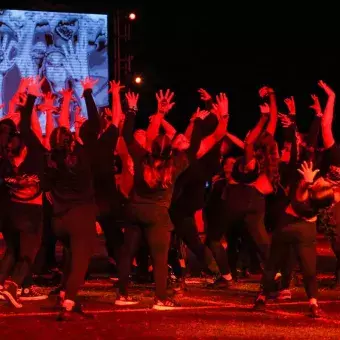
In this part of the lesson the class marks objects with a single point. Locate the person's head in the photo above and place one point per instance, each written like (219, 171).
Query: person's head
(62, 140)
(54, 67)
(180, 143)
(140, 137)
(15, 145)
(158, 167)
(228, 164)
(267, 155)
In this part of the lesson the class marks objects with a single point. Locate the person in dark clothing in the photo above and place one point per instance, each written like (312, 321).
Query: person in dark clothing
(24, 180)
(70, 182)
(254, 176)
(297, 227)
(156, 169)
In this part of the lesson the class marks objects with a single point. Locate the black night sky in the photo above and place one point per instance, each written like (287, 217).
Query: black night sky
(236, 48)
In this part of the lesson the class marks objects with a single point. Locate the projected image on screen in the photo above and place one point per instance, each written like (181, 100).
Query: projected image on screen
(65, 48)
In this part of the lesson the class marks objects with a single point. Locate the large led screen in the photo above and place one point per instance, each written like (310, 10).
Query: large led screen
(65, 48)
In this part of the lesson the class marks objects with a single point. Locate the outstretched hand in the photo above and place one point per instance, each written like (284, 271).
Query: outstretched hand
(88, 83)
(164, 104)
(306, 170)
(316, 105)
(132, 99)
(200, 114)
(264, 108)
(221, 107)
(34, 87)
(205, 96)
(115, 86)
(290, 102)
(285, 120)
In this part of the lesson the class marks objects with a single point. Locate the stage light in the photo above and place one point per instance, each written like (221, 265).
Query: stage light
(132, 16)
(138, 80)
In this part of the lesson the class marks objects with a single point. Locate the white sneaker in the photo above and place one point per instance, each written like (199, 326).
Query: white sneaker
(284, 294)
(31, 294)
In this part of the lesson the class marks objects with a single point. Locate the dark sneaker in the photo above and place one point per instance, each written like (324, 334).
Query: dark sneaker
(260, 303)
(220, 283)
(125, 301)
(32, 294)
(315, 311)
(284, 294)
(10, 293)
(75, 314)
(165, 304)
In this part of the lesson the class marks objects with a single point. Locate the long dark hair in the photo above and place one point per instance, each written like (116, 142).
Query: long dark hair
(158, 166)
(267, 154)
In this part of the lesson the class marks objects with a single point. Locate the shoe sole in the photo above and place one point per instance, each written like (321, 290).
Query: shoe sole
(126, 303)
(9, 297)
(156, 307)
(283, 298)
(33, 298)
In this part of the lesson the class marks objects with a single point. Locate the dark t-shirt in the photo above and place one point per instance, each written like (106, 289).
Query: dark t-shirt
(24, 182)
(189, 192)
(70, 179)
(142, 192)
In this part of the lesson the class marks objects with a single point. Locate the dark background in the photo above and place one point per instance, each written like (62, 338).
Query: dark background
(231, 47)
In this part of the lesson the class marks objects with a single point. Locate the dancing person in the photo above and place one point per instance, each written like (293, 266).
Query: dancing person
(155, 174)
(24, 179)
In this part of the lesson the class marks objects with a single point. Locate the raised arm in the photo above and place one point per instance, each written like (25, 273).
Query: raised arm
(221, 109)
(253, 136)
(163, 107)
(327, 119)
(269, 92)
(64, 117)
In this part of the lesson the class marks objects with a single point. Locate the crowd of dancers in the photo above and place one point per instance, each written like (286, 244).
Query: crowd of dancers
(147, 188)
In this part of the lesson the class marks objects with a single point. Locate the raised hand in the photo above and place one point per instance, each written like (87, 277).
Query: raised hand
(290, 102)
(200, 114)
(34, 87)
(79, 119)
(115, 86)
(66, 93)
(264, 108)
(265, 91)
(316, 105)
(326, 88)
(221, 106)
(164, 101)
(5, 50)
(132, 99)
(48, 105)
(307, 172)
(285, 120)
(88, 83)
(205, 96)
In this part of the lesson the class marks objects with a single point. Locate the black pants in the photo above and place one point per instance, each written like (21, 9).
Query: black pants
(46, 258)
(114, 238)
(243, 208)
(22, 234)
(300, 236)
(185, 229)
(154, 221)
(76, 229)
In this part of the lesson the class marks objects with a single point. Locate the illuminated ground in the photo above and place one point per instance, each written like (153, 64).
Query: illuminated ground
(204, 314)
